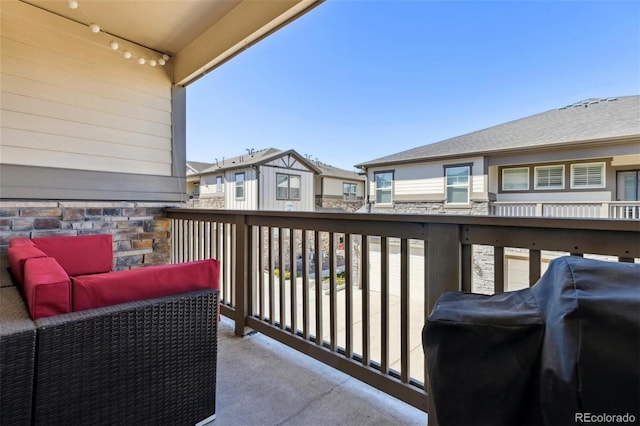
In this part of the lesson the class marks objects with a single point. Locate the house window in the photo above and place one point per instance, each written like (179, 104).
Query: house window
(218, 183)
(549, 177)
(587, 175)
(239, 186)
(349, 191)
(629, 185)
(515, 179)
(457, 180)
(287, 187)
(196, 189)
(384, 183)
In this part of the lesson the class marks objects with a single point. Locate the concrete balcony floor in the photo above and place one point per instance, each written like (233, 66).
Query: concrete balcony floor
(263, 382)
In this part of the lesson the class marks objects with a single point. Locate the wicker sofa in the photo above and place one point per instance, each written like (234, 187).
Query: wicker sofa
(149, 361)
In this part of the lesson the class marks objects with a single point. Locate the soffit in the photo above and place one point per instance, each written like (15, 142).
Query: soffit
(198, 34)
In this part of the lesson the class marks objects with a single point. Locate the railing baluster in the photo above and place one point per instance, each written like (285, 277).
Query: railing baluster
(271, 279)
(404, 311)
(384, 305)
(366, 354)
(333, 296)
(498, 269)
(348, 277)
(466, 264)
(261, 271)
(535, 260)
(305, 285)
(293, 280)
(224, 255)
(318, 287)
(281, 268)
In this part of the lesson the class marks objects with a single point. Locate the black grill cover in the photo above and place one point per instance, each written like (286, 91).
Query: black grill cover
(568, 346)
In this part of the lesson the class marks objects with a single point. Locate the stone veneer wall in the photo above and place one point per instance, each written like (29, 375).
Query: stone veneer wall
(339, 204)
(140, 230)
(209, 203)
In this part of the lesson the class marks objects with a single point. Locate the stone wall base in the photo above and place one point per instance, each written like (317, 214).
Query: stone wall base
(140, 230)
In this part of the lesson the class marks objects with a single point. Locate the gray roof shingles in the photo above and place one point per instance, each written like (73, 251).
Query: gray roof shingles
(594, 119)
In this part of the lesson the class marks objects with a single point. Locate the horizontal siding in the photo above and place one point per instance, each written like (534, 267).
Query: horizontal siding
(69, 101)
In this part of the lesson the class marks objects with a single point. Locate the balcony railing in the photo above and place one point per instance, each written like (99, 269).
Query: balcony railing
(353, 290)
(602, 210)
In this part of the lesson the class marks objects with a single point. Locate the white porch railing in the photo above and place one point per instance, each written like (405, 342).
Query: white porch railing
(601, 210)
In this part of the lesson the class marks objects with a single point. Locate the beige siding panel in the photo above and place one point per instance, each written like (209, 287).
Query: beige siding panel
(52, 126)
(69, 101)
(27, 156)
(333, 186)
(43, 38)
(27, 105)
(89, 83)
(11, 84)
(72, 145)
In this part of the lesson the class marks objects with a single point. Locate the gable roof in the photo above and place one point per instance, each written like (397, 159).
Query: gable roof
(196, 167)
(327, 170)
(254, 158)
(591, 120)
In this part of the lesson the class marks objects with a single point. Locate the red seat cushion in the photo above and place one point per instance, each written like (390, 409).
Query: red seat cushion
(80, 255)
(47, 289)
(95, 291)
(18, 255)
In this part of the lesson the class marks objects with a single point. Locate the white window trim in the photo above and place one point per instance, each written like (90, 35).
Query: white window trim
(219, 186)
(547, 188)
(515, 168)
(243, 186)
(352, 193)
(469, 186)
(289, 176)
(604, 175)
(375, 187)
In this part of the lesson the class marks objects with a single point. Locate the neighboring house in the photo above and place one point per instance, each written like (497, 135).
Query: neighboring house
(268, 179)
(581, 160)
(93, 129)
(272, 179)
(338, 189)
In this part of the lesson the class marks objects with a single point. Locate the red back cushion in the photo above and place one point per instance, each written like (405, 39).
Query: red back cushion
(95, 291)
(20, 242)
(47, 289)
(80, 255)
(18, 255)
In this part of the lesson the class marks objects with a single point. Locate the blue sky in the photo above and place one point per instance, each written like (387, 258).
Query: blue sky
(352, 81)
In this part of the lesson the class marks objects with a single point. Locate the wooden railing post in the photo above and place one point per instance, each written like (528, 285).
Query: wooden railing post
(242, 277)
(443, 273)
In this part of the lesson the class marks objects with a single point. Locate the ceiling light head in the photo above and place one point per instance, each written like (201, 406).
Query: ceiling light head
(114, 45)
(95, 28)
(141, 61)
(152, 62)
(161, 61)
(165, 57)
(126, 54)
(73, 4)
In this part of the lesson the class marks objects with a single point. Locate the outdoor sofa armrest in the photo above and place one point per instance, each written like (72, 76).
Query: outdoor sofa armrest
(145, 362)
(17, 351)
